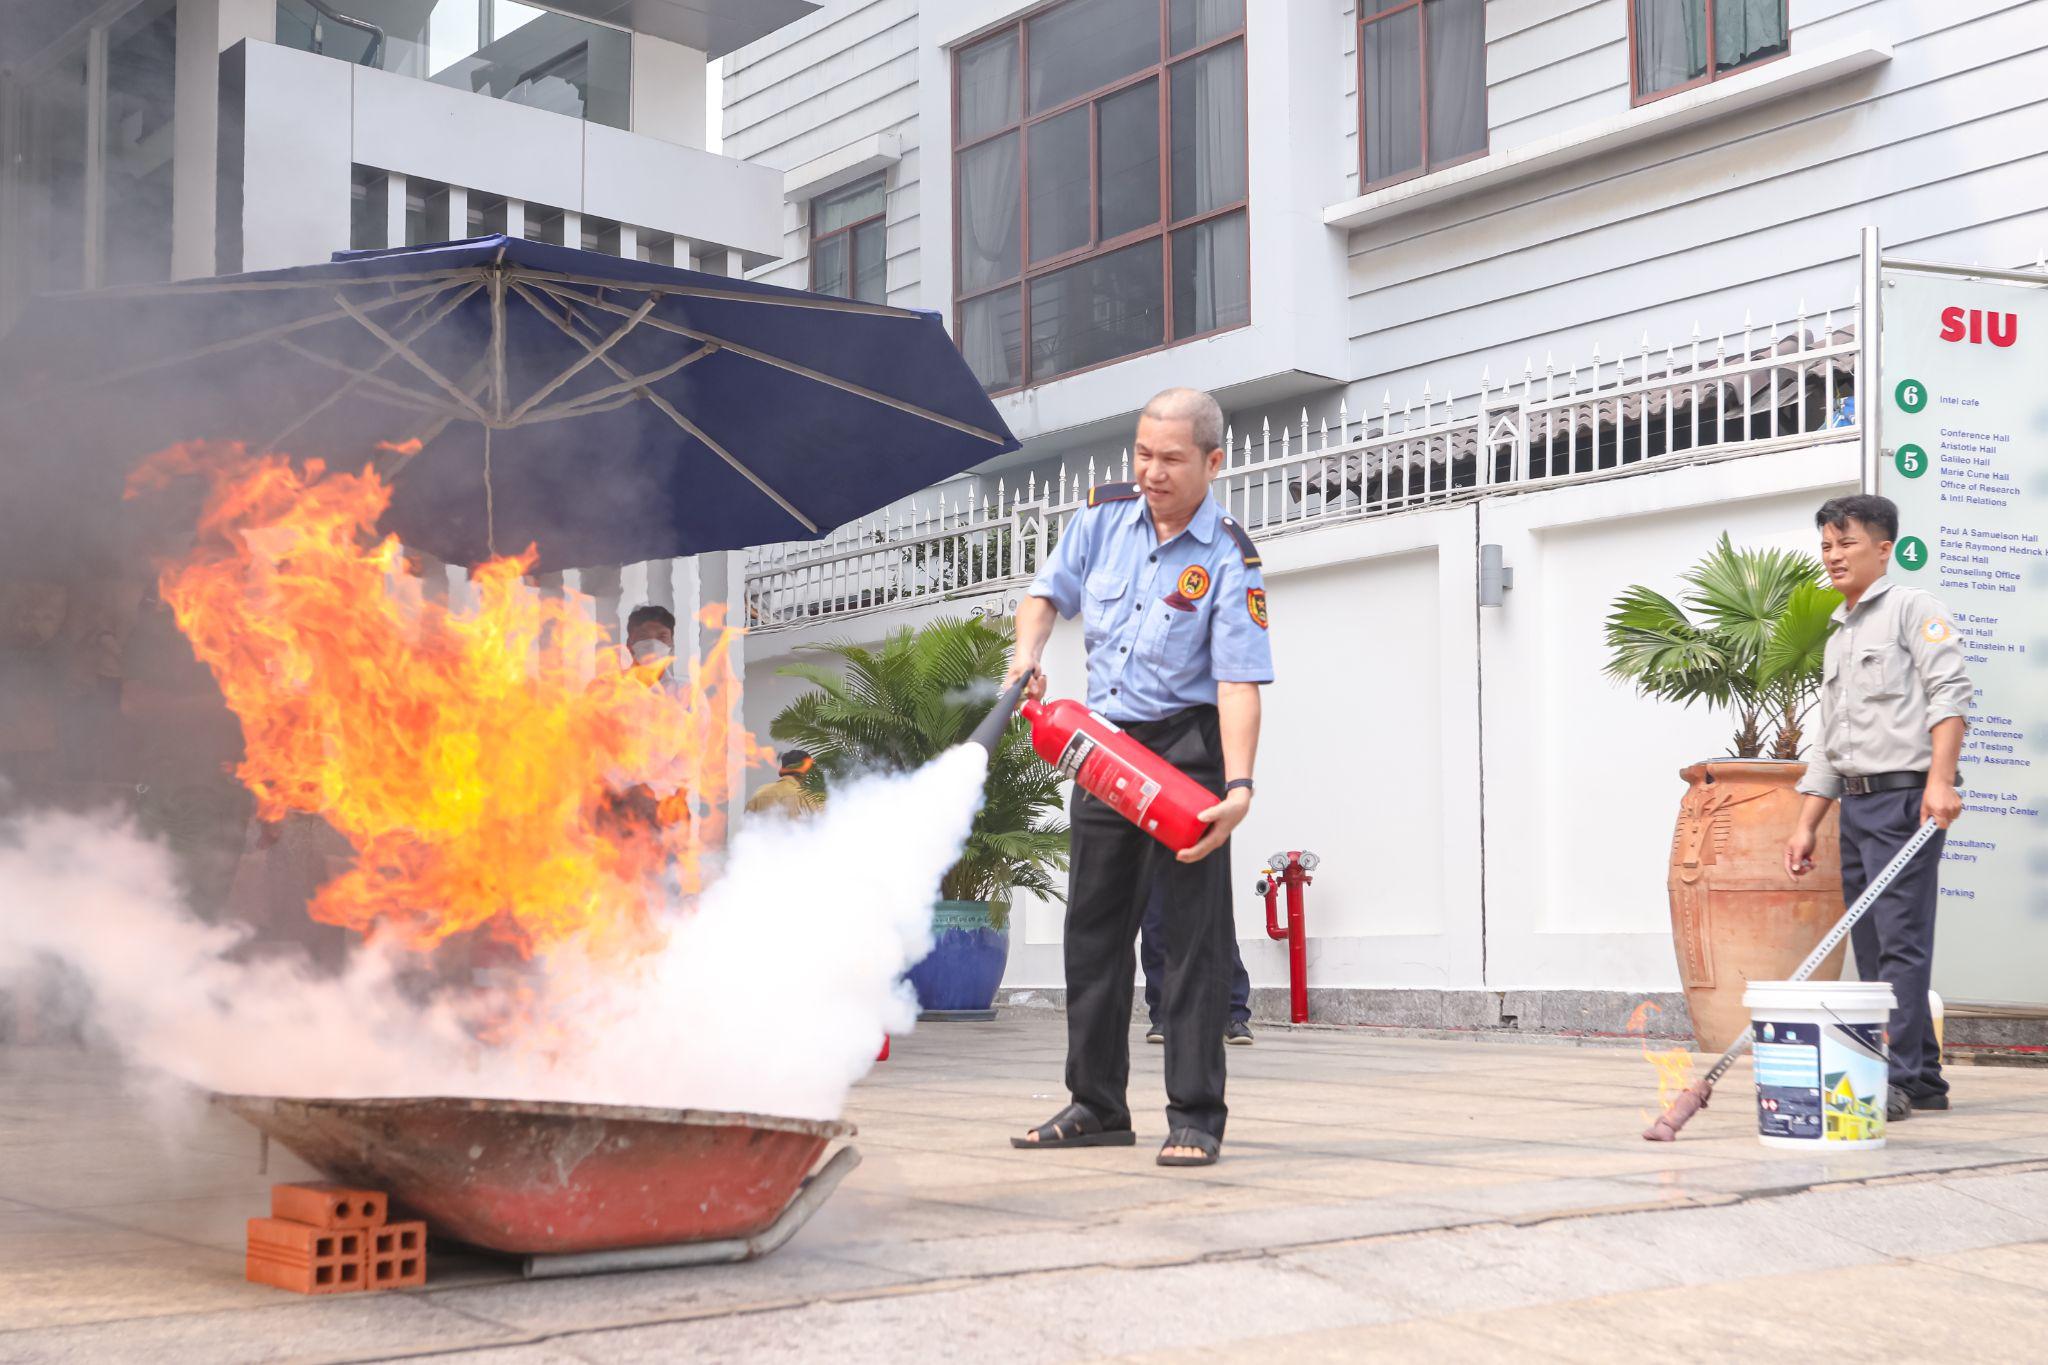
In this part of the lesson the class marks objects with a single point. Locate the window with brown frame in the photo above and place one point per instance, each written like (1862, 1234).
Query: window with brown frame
(1099, 172)
(1422, 87)
(849, 242)
(1675, 45)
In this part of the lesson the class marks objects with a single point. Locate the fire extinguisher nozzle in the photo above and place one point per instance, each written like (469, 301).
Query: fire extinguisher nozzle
(989, 733)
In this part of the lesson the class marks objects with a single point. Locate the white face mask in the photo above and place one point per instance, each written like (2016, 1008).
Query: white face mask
(647, 651)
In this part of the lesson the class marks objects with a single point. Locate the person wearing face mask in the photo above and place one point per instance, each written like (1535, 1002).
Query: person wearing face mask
(1894, 702)
(651, 638)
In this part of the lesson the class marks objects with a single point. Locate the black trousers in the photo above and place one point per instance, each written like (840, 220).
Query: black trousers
(1895, 942)
(1152, 961)
(1115, 867)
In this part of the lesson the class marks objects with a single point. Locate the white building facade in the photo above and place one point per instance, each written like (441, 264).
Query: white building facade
(148, 140)
(1579, 281)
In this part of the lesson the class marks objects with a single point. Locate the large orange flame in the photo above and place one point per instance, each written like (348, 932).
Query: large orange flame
(485, 781)
(1674, 1065)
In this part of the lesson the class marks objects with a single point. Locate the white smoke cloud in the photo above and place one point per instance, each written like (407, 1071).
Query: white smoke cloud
(771, 994)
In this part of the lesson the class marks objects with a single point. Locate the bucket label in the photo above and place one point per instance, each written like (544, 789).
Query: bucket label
(1788, 1095)
(1820, 1082)
(1854, 1074)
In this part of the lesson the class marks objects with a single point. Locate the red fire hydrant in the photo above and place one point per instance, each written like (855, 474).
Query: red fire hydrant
(1291, 870)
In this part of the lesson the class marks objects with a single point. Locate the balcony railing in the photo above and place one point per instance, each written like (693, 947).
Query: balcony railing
(1774, 388)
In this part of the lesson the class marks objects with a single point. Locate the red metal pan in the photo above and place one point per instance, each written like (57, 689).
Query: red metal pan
(572, 1187)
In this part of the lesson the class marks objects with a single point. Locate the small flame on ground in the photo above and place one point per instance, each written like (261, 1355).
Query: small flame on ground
(483, 782)
(1674, 1065)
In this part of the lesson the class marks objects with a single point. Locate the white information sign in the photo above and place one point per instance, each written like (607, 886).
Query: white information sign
(1963, 390)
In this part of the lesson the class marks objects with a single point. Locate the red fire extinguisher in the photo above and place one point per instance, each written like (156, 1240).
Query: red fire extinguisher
(1104, 761)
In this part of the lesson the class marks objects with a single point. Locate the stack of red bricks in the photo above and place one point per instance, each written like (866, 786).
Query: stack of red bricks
(329, 1239)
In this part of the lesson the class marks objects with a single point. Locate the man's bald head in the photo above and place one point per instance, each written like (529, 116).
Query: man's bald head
(1201, 412)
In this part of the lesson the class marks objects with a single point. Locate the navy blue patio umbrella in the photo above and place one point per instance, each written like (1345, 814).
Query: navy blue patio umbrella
(605, 410)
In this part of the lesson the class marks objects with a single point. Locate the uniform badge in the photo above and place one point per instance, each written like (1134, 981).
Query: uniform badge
(1194, 583)
(1255, 603)
(1935, 631)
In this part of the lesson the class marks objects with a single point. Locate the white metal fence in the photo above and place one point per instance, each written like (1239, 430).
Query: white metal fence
(1787, 385)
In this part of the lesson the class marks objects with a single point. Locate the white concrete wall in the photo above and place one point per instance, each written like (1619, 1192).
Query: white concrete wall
(308, 119)
(1525, 855)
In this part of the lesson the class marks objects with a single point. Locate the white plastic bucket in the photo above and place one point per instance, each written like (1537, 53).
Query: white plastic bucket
(1821, 1075)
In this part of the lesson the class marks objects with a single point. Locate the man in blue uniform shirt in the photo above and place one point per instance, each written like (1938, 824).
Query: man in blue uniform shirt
(1174, 614)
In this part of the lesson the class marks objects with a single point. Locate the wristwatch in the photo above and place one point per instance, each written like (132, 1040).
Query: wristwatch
(1234, 783)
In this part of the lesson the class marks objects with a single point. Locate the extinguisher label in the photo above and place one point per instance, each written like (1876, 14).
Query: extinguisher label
(1108, 778)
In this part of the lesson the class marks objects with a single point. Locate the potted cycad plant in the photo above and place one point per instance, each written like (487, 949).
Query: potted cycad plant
(1747, 637)
(896, 707)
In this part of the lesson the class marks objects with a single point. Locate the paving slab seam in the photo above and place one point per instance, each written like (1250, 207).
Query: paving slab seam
(1465, 1222)
(1275, 1252)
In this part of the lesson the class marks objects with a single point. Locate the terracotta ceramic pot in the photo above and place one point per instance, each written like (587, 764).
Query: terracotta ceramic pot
(1735, 916)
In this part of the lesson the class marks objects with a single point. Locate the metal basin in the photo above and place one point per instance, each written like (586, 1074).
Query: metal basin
(542, 1179)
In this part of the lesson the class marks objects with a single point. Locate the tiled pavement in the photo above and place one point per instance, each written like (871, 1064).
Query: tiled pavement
(1379, 1198)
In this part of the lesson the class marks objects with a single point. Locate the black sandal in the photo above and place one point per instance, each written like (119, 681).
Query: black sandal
(1075, 1126)
(1190, 1137)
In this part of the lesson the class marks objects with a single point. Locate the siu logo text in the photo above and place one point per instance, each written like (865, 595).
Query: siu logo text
(1977, 326)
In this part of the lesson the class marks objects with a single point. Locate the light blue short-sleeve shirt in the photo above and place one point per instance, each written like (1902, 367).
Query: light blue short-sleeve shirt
(1164, 623)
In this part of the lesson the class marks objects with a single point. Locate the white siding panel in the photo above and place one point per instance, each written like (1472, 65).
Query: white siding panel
(818, 85)
(1945, 146)
(1519, 98)
(1534, 49)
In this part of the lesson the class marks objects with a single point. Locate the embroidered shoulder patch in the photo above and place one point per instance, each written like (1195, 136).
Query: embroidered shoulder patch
(1194, 583)
(1935, 630)
(1111, 492)
(1255, 603)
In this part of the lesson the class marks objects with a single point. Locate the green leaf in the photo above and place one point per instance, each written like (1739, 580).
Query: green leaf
(899, 705)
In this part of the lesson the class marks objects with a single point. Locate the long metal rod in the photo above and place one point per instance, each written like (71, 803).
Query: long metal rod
(1869, 341)
(1969, 272)
(1834, 936)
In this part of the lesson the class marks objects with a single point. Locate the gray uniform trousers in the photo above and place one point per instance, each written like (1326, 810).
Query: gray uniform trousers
(1895, 941)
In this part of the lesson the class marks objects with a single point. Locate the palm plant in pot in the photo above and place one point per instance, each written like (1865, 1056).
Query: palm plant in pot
(899, 705)
(1748, 637)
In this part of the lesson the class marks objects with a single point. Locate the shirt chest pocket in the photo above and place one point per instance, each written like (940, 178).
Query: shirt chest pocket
(1104, 609)
(1880, 672)
(1168, 632)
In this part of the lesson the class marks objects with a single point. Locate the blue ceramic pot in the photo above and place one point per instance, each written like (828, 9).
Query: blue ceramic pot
(965, 965)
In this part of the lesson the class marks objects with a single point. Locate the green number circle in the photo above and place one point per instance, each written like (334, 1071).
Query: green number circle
(1911, 460)
(1912, 395)
(1911, 552)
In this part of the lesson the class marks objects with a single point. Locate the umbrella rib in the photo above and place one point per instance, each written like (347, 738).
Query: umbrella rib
(590, 401)
(668, 411)
(799, 301)
(283, 329)
(391, 388)
(590, 353)
(331, 399)
(818, 376)
(412, 358)
(441, 279)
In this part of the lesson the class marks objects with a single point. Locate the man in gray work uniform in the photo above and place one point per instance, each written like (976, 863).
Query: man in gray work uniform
(1892, 706)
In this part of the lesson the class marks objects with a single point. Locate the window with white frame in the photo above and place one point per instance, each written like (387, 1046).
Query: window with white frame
(1100, 185)
(1422, 87)
(1675, 45)
(849, 241)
